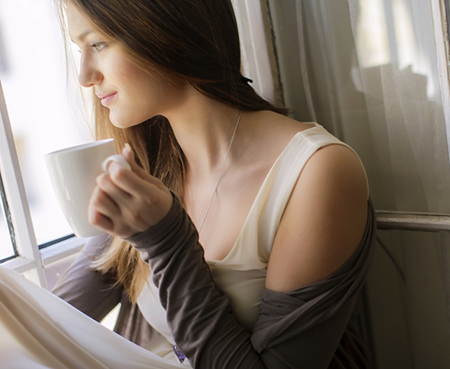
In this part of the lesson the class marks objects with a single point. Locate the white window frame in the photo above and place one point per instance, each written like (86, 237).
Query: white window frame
(12, 179)
(29, 258)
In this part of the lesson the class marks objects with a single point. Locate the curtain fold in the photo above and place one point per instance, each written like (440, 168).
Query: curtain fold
(367, 70)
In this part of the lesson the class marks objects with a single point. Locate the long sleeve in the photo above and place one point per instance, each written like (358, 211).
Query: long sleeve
(84, 288)
(298, 329)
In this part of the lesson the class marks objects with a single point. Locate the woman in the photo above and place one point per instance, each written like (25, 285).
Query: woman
(256, 255)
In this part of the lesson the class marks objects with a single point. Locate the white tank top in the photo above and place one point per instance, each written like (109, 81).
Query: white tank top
(241, 274)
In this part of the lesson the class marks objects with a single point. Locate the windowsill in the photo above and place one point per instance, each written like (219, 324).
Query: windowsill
(61, 251)
(19, 264)
(50, 255)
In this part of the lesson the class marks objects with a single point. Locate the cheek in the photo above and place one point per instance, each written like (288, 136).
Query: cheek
(142, 96)
(136, 105)
(141, 87)
(148, 96)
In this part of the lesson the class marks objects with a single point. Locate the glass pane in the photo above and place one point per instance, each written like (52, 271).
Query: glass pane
(40, 103)
(6, 247)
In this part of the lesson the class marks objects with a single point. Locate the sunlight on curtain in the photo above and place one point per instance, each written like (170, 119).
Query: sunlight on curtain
(373, 81)
(404, 111)
(404, 34)
(372, 38)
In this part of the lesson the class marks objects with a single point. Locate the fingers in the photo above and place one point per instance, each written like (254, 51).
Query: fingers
(107, 182)
(113, 213)
(101, 210)
(100, 220)
(128, 153)
(135, 182)
(126, 202)
(122, 184)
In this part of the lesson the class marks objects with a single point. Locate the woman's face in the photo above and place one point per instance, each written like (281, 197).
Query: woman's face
(131, 95)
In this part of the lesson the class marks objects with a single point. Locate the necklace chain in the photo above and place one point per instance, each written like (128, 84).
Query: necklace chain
(221, 172)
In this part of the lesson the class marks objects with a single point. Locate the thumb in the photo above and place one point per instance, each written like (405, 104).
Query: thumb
(128, 153)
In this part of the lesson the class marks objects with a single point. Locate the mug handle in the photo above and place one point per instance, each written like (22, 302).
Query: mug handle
(118, 159)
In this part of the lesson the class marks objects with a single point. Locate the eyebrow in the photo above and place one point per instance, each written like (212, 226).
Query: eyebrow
(85, 34)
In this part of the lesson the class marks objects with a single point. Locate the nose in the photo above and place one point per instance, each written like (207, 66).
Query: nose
(89, 73)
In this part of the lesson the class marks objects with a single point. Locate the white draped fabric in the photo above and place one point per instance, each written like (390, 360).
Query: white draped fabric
(34, 334)
(368, 71)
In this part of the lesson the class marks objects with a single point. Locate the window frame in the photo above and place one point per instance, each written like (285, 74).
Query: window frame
(28, 253)
(29, 256)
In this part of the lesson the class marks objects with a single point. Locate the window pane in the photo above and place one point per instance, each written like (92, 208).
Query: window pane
(6, 247)
(33, 74)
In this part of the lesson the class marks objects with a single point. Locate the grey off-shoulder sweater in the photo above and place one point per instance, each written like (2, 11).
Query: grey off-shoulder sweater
(310, 327)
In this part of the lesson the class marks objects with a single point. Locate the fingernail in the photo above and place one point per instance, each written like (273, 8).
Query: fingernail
(128, 147)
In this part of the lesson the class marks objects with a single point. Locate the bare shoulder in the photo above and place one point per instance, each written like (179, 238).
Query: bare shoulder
(270, 132)
(324, 220)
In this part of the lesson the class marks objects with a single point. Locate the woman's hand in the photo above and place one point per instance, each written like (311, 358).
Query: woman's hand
(126, 202)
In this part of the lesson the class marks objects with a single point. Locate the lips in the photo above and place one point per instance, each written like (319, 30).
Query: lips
(106, 99)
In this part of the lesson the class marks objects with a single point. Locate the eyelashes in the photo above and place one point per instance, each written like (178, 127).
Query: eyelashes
(97, 46)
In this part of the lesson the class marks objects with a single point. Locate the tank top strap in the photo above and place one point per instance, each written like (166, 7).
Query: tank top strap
(254, 244)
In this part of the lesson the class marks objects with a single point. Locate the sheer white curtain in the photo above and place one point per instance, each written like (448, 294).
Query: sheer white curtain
(367, 70)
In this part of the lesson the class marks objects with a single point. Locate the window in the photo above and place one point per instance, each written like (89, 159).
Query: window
(42, 115)
(37, 97)
(8, 250)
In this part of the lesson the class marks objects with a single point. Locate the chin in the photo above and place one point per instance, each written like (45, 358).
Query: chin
(121, 122)
(127, 120)
(118, 124)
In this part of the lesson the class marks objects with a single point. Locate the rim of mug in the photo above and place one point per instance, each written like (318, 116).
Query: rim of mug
(81, 146)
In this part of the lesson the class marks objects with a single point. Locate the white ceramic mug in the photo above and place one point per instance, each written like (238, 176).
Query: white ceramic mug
(73, 172)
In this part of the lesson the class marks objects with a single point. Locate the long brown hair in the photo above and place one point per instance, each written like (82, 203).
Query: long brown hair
(194, 40)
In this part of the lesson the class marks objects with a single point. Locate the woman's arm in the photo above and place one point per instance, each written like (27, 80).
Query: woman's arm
(198, 313)
(323, 222)
(86, 289)
(301, 328)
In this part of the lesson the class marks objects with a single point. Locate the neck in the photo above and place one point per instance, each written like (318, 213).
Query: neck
(204, 128)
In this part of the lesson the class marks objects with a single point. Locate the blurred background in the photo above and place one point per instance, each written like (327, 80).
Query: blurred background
(44, 106)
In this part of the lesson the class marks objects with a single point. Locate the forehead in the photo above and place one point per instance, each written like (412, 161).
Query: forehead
(79, 25)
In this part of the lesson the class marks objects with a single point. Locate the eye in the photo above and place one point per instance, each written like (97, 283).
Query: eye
(98, 46)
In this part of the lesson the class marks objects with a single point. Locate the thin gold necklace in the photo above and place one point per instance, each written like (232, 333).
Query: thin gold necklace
(221, 172)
